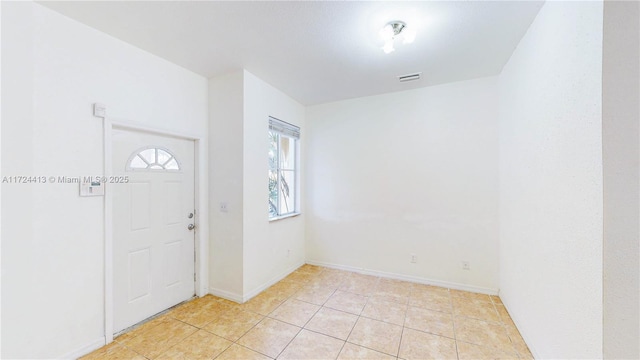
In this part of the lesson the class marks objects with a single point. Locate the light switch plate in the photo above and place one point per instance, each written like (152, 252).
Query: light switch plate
(99, 110)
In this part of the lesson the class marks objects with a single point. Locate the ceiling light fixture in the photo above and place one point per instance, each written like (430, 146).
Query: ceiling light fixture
(395, 29)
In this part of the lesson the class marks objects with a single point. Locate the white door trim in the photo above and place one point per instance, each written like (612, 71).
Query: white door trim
(201, 207)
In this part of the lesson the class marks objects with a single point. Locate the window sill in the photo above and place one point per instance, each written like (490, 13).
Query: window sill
(283, 216)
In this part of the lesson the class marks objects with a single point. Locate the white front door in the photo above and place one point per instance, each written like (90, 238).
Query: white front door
(153, 214)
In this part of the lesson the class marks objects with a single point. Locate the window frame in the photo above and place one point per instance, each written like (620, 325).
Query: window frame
(138, 153)
(294, 170)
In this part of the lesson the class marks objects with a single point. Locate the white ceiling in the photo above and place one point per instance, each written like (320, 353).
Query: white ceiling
(317, 51)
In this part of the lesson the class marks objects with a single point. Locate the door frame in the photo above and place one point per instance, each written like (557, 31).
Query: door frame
(200, 203)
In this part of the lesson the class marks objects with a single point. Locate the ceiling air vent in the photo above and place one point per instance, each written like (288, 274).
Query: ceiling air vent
(410, 77)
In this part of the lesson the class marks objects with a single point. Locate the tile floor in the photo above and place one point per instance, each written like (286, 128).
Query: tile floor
(321, 313)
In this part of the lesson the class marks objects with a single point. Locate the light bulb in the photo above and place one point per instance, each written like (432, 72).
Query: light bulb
(388, 47)
(409, 35)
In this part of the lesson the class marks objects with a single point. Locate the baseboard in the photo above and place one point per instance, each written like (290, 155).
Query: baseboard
(94, 345)
(226, 295)
(251, 294)
(416, 279)
(248, 296)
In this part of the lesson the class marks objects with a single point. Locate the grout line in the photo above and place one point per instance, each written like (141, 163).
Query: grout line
(453, 321)
(255, 351)
(368, 348)
(400, 343)
(356, 323)
(319, 333)
(289, 343)
(341, 285)
(504, 327)
(300, 328)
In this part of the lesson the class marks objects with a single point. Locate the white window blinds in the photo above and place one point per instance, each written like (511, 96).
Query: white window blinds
(284, 128)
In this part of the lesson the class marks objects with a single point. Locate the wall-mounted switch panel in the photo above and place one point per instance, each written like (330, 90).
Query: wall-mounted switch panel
(91, 188)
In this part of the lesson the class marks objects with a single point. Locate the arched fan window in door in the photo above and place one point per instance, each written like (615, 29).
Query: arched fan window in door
(153, 158)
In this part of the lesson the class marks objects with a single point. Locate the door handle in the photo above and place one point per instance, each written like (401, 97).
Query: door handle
(191, 227)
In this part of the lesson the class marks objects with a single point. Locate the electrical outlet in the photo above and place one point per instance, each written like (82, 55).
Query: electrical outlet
(414, 258)
(465, 265)
(224, 207)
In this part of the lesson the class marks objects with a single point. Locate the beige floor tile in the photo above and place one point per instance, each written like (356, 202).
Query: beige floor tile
(470, 295)
(299, 277)
(113, 351)
(269, 337)
(200, 311)
(391, 312)
(423, 346)
(309, 345)
(310, 269)
(364, 277)
(182, 311)
(376, 335)
(393, 290)
(333, 323)
(518, 342)
(336, 272)
(475, 309)
(204, 300)
(295, 312)
(396, 318)
(283, 289)
(505, 318)
(205, 313)
(425, 289)
(360, 284)
(434, 322)
(314, 295)
(143, 328)
(496, 300)
(158, 339)
(468, 351)
(356, 352)
(200, 345)
(188, 309)
(527, 356)
(346, 301)
(233, 324)
(431, 300)
(232, 305)
(329, 278)
(483, 333)
(263, 304)
(237, 352)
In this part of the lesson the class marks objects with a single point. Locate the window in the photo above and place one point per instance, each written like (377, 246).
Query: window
(153, 158)
(283, 157)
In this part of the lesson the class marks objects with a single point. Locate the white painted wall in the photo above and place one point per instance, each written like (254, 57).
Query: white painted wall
(226, 123)
(271, 249)
(1, 173)
(551, 208)
(248, 253)
(620, 114)
(53, 242)
(413, 172)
